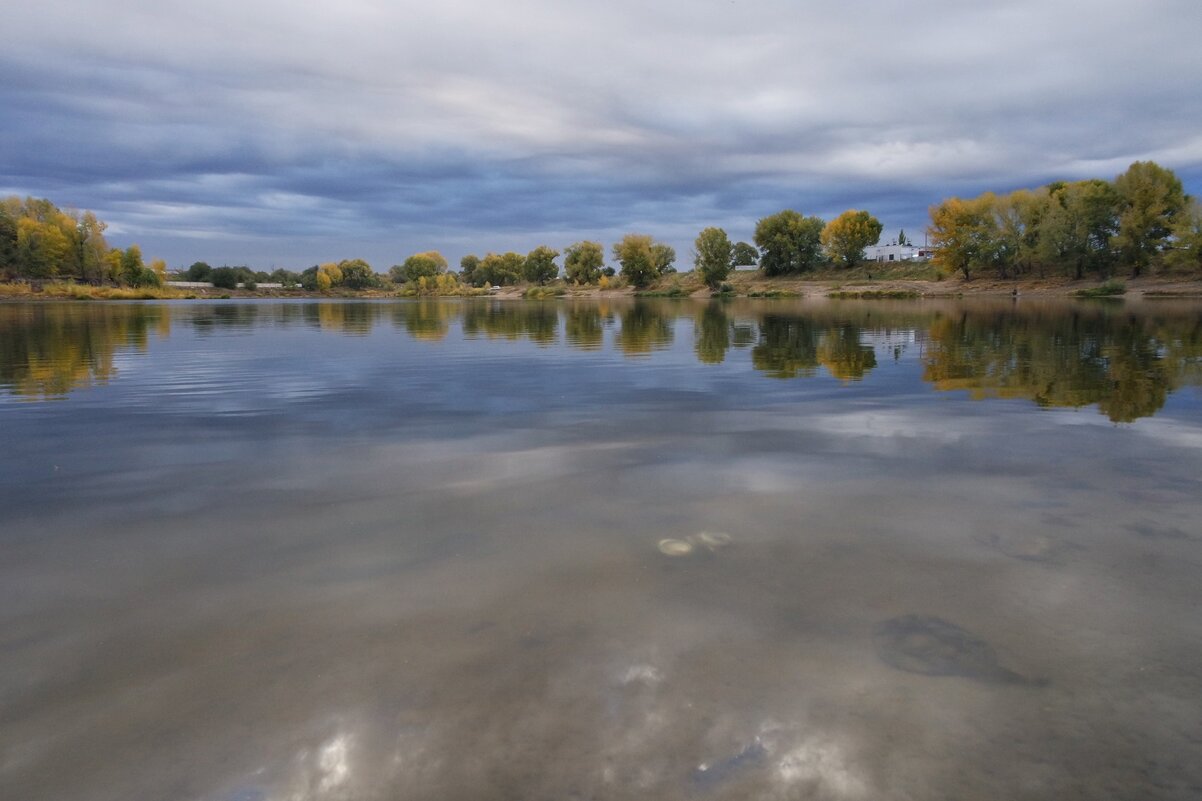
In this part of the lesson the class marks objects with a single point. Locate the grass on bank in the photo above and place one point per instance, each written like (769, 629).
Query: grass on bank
(1109, 289)
(69, 291)
(874, 294)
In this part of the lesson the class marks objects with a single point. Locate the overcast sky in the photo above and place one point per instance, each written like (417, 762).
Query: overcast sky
(283, 134)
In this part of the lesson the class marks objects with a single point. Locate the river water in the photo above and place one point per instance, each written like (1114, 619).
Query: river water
(600, 550)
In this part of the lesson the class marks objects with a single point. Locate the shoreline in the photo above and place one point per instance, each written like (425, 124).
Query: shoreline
(746, 285)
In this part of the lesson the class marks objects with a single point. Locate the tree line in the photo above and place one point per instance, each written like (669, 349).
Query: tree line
(40, 241)
(1141, 220)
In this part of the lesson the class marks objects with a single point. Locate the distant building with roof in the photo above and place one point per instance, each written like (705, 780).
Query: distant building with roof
(896, 252)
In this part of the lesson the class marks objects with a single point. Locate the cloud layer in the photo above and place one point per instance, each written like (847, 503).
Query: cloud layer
(274, 133)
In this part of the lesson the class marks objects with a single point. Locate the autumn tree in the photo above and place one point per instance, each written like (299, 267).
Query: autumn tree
(1151, 198)
(428, 264)
(583, 261)
(845, 237)
(357, 274)
(713, 256)
(789, 242)
(663, 257)
(540, 267)
(637, 258)
(501, 269)
(964, 234)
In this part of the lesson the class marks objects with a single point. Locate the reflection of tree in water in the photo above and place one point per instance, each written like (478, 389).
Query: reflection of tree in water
(713, 331)
(645, 328)
(788, 346)
(353, 319)
(584, 327)
(47, 351)
(428, 320)
(1125, 364)
(538, 322)
(208, 318)
(843, 354)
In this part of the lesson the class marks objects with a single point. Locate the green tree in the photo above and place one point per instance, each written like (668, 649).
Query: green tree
(199, 271)
(357, 274)
(789, 242)
(1151, 198)
(285, 277)
(663, 256)
(428, 265)
(501, 269)
(89, 247)
(131, 265)
(713, 257)
(1186, 253)
(583, 261)
(637, 258)
(8, 243)
(1077, 226)
(901, 237)
(845, 237)
(744, 255)
(540, 266)
(467, 269)
(224, 277)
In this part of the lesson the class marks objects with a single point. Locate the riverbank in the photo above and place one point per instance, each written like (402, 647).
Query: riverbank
(858, 283)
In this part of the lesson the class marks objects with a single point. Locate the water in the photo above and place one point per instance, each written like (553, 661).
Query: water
(415, 550)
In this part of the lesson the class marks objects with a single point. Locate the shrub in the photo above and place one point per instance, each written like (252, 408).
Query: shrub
(224, 278)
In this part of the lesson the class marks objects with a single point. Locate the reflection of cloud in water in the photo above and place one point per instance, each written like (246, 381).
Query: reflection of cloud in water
(1169, 432)
(819, 768)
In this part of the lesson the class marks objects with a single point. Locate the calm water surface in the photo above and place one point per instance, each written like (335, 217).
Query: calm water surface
(490, 550)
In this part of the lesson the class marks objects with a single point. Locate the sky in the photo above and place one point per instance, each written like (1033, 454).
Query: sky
(280, 134)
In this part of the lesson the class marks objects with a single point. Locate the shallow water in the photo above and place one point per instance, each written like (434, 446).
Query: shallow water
(259, 551)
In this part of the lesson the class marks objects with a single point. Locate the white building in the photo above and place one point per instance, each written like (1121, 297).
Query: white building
(896, 252)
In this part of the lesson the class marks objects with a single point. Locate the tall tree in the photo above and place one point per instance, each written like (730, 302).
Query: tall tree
(637, 258)
(1152, 197)
(664, 256)
(712, 260)
(583, 261)
(1187, 238)
(467, 269)
(1076, 229)
(419, 265)
(501, 269)
(540, 265)
(964, 234)
(744, 254)
(845, 237)
(789, 242)
(357, 274)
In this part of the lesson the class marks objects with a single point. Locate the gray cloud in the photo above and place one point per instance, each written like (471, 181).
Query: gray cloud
(270, 132)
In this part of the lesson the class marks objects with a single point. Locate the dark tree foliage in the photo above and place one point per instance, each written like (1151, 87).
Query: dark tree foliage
(789, 242)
